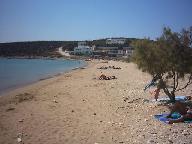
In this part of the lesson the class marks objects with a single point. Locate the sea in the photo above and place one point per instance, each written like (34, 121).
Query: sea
(15, 73)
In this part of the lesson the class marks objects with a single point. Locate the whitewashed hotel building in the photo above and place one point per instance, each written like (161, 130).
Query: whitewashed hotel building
(83, 49)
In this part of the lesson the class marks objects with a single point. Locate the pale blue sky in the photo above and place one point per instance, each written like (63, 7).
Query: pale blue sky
(29, 20)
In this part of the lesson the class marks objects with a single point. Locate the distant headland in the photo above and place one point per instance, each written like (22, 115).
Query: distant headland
(108, 47)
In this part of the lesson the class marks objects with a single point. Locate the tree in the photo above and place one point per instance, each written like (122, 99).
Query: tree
(169, 59)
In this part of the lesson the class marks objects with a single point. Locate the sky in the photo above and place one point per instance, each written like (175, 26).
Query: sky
(32, 20)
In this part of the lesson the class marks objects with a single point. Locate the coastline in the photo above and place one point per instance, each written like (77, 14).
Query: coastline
(43, 58)
(77, 107)
(21, 86)
(8, 96)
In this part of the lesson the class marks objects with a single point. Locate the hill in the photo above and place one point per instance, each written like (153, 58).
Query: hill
(46, 48)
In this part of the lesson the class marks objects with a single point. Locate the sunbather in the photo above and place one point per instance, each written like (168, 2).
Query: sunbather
(112, 77)
(116, 67)
(183, 110)
(103, 67)
(104, 77)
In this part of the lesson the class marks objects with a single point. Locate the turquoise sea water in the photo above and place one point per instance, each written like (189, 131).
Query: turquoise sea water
(19, 72)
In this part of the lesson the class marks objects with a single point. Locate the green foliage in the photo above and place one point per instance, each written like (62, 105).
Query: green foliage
(36, 48)
(170, 57)
(145, 56)
(69, 45)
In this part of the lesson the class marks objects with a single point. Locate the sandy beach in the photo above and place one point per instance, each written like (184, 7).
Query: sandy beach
(78, 108)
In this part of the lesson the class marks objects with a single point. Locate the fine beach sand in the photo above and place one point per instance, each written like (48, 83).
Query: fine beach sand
(77, 108)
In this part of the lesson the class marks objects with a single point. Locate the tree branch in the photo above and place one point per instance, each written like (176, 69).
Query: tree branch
(173, 81)
(164, 86)
(188, 83)
(177, 81)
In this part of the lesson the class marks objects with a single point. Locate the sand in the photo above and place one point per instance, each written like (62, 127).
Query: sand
(77, 108)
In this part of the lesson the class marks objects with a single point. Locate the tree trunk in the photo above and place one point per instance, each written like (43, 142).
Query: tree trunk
(170, 95)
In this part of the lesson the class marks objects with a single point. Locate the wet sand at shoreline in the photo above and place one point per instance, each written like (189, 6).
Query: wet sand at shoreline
(77, 108)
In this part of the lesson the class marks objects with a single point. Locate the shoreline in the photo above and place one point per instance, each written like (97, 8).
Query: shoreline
(42, 57)
(22, 86)
(77, 107)
(6, 97)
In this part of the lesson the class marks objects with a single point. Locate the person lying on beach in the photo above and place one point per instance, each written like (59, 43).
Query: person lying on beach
(104, 77)
(113, 67)
(116, 68)
(183, 110)
(103, 67)
(112, 77)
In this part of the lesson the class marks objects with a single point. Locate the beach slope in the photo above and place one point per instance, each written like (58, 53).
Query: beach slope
(78, 108)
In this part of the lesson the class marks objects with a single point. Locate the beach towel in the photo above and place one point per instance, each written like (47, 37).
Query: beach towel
(163, 117)
(177, 98)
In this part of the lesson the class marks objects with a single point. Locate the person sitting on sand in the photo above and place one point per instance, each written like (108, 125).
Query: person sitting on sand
(113, 77)
(183, 110)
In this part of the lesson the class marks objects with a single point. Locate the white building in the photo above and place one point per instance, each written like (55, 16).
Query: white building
(107, 48)
(115, 53)
(120, 41)
(128, 51)
(83, 49)
(110, 51)
(82, 43)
